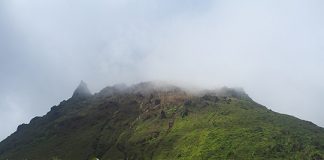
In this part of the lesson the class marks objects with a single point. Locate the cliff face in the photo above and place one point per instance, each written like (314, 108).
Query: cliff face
(160, 121)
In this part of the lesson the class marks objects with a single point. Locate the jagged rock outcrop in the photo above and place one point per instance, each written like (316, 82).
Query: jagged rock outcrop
(81, 91)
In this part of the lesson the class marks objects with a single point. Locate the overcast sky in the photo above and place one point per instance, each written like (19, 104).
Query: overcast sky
(274, 49)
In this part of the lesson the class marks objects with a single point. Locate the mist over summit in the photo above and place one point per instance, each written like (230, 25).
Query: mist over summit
(155, 73)
(273, 49)
(159, 120)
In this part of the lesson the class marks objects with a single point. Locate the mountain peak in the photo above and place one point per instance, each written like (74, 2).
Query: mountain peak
(156, 120)
(82, 91)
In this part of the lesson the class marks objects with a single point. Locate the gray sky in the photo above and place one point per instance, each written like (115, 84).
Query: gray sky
(271, 48)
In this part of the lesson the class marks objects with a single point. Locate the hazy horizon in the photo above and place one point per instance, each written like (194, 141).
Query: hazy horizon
(272, 49)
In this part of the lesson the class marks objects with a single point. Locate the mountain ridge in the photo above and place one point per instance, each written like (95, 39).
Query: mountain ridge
(154, 120)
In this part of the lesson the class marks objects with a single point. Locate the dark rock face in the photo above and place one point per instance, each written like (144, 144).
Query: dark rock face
(210, 98)
(185, 113)
(162, 115)
(187, 102)
(81, 91)
(157, 101)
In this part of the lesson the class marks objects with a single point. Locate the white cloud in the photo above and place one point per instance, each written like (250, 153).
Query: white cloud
(273, 49)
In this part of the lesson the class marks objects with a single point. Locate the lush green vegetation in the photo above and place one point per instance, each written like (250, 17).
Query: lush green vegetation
(159, 125)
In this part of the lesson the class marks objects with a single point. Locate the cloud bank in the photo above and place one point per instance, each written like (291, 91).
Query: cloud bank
(273, 49)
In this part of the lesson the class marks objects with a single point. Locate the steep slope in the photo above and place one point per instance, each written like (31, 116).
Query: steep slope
(160, 121)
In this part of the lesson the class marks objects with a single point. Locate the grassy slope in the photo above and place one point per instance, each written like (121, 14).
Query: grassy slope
(116, 128)
(239, 130)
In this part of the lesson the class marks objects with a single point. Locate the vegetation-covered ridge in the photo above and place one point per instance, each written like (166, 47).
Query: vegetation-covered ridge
(160, 121)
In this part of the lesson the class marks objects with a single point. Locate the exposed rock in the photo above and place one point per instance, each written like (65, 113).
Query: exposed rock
(210, 98)
(162, 115)
(187, 102)
(185, 113)
(171, 124)
(81, 91)
(21, 127)
(157, 101)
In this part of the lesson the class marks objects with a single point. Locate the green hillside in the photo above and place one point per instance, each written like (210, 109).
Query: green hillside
(152, 121)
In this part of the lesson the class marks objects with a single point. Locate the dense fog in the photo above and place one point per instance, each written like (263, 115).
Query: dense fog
(272, 49)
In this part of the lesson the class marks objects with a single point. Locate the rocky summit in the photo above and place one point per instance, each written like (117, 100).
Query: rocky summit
(154, 120)
(81, 91)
